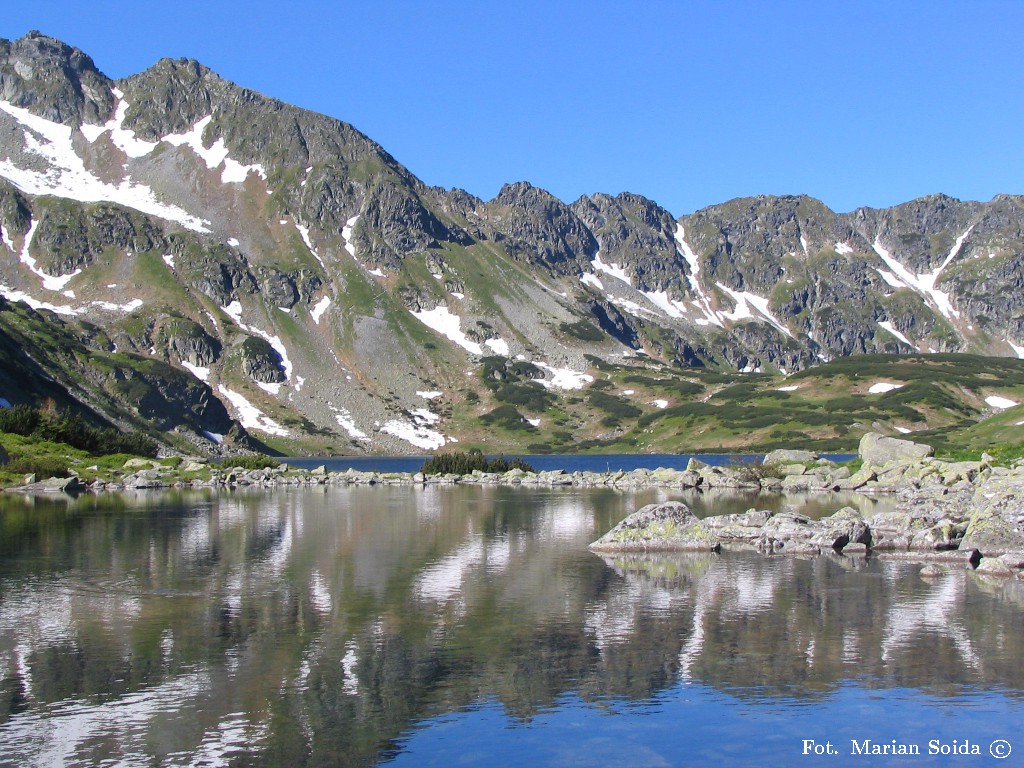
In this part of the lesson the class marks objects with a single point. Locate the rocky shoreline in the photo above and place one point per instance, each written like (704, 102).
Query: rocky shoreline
(970, 513)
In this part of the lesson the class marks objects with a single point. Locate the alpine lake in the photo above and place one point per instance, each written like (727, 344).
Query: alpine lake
(470, 625)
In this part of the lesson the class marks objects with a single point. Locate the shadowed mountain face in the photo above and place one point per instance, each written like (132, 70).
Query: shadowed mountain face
(325, 297)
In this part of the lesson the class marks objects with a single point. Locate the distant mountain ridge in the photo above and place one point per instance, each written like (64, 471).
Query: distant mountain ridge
(305, 289)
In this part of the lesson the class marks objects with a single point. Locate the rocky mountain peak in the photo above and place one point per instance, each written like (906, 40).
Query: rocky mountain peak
(53, 80)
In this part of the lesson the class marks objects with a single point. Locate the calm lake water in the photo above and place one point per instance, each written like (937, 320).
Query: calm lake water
(471, 626)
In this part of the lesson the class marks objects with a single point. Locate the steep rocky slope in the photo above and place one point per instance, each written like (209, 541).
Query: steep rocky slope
(299, 277)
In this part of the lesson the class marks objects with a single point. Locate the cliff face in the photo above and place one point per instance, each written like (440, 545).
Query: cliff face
(298, 276)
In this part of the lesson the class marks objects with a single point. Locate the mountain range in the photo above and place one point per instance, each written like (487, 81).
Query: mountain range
(186, 256)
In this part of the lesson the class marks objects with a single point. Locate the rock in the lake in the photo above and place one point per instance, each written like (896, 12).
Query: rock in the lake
(669, 526)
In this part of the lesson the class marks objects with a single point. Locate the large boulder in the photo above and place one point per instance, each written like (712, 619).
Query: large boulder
(669, 526)
(878, 450)
(788, 456)
(997, 527)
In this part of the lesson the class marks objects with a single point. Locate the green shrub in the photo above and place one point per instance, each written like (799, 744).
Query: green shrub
(259, 461)
(460, 463)
(19, 420)
(40, 466)
(582, 330)
(61, 427)
(508, 417)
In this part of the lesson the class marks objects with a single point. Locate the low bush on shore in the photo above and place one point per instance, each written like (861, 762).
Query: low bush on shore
(257, 461)
(460, 463)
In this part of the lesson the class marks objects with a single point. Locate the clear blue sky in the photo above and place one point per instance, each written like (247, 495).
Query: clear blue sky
(689, 103)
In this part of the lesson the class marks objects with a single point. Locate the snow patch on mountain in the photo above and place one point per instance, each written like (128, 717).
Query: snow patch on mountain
(888, 326)
(610, 269)
(1000, 403)
(121, 137)
(216, 154)
(319, 308)
(418, 432)
(15, 295)
(304, 233)
(592, 280)
(441, 320)
(745, 301)
(498, 346)
(346, 422)
(924, 283)
(234, 311)
(703, 300)
(54, 283)
(7, 240)
(346, 235)
(249, 415)
(201, 373)
(881, 387)
(67, 176)
(563, 378)
(666, 304)
(1018, 350)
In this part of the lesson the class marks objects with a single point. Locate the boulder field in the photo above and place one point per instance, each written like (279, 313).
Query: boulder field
(962, 512)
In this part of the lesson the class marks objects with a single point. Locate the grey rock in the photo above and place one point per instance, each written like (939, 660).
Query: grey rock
(51, 485)
(786, 456)
(744, 527)
(879, 450)
(669, 526)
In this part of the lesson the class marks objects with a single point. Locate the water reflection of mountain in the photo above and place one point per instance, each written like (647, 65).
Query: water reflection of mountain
(305, 627)
(799, 626)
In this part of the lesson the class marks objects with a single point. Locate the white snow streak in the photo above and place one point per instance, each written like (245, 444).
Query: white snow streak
(249, 415)
(744, 301)
(1016, 349)
(50, 282)
(346, 422)
(304, 232)
(418, 433)
(923, 283)
(588, 279)
(843, 249)
(611, 269)
(889, 327)
(234, 310)
(201, 373)
(703, 301)
(346, 235)
(68, 177)
(882, 387)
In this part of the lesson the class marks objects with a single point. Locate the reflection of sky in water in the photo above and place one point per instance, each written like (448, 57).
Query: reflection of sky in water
(692, 724)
